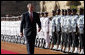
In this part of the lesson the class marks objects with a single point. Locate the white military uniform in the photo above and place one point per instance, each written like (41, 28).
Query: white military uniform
(41, 32)
(69, 27)
(80, 23)
(62, 18)
(50, 28)
(64, 27)
(58, 26)
(74, 22)
(53, 23)
(45, 29)
(58, 22)
(64, 23)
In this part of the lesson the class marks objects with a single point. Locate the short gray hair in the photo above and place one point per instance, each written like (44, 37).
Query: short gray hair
(29, 4)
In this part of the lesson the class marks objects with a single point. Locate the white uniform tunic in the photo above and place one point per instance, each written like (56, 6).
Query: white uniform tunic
(50, 27)
(69, 27)
(74, 22)
(45, 24)
(58, 22)
(80, 23)
(41, 32)
(45, 29)
(41, 20)
(53, 23)
(64, 23)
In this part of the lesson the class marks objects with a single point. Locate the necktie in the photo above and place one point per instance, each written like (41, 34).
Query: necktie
(31, 17)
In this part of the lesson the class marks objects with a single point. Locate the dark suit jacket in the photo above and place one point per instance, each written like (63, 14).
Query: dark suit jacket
(28, 26)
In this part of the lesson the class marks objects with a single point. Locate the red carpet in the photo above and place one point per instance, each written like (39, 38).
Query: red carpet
(7, 52)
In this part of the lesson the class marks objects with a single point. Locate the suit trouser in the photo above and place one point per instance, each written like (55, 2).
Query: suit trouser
(81, 37)
(30, 45)
(75, 39)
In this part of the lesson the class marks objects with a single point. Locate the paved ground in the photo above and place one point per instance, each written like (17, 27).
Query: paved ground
(19, 48)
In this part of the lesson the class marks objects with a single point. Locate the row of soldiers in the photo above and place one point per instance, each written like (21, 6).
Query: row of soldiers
(66, 30)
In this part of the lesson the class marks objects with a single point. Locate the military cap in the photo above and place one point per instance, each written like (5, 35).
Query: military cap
(58, 10)
(46, 12)
(69, 10)
(42, 12)
(74, 10)
(65, 10)
(53, 11)
(81, 9)
(62, 10)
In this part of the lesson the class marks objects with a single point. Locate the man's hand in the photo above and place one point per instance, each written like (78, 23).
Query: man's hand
(21, 34)
(39, 29)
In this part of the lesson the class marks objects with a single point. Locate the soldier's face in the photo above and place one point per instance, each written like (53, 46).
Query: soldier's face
(74, 12)
(57, 12)
(62, 13)
(65, 13)
(46, 15)
(42, 15)
(81, 12)
(53, 14)
(69, 13)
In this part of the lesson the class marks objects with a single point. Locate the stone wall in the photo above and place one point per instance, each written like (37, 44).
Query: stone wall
(17, 7)
(53, 5)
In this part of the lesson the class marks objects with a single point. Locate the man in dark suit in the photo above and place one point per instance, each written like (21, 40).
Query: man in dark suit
(28, 23)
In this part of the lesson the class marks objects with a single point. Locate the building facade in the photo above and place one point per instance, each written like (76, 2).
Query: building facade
(18, 7)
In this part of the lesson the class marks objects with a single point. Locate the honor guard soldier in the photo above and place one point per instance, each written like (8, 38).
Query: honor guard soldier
(64, 29)
(54, 37)
(50, 31)
(75, 31)
(81, 30)
(39, 34)
(45, 29)
(42, 19)
(58, 28)
(69, 30)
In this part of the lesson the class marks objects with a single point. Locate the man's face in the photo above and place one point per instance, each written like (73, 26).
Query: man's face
(81, 12)
(65, 12)
(42, 15)
(53, 13)
(62, 12)
(57, 12)
(30, 7)
(45, 15)
(74, 12)
(69, 12)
